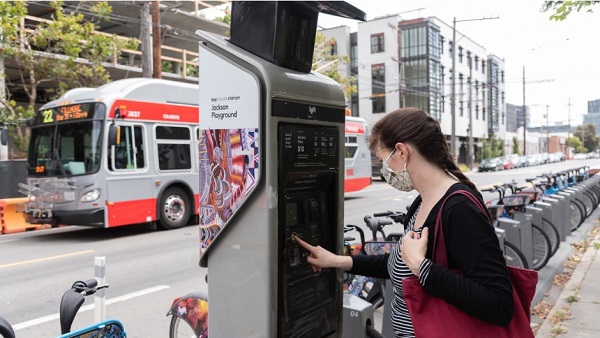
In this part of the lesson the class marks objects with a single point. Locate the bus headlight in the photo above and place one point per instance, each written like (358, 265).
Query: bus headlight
(90, 196)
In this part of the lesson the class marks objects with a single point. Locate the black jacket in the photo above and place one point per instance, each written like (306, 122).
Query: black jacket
(483, 290)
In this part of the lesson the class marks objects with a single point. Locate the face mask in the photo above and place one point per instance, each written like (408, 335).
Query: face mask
(397, 179)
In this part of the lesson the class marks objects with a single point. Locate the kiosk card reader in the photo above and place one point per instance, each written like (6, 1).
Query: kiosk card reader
(271, 165)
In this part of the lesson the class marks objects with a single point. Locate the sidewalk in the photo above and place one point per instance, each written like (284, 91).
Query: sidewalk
(579, 300)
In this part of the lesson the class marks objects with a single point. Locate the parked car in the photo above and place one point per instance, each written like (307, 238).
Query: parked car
(533, 160)
(553, 158)
(490, 164)
(543, 158)
(507, 163)
(515, 160)
(580, 156)
(523, 161)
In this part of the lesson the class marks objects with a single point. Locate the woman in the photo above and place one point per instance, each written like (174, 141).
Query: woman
(415, 156)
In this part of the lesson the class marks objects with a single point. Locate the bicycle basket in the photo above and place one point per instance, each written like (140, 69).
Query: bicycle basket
(378, 248)
(516, 200)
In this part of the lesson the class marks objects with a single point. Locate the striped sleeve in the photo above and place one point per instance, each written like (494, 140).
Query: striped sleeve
(424, 271)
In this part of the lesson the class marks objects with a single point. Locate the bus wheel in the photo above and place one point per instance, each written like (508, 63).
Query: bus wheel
(174, 209)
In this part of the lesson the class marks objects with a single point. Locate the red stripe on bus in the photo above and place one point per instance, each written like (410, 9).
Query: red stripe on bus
(154, 111)
(356, 184)
(355, 128)
(131, 212)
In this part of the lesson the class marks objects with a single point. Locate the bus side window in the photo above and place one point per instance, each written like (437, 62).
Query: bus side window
(139, 147)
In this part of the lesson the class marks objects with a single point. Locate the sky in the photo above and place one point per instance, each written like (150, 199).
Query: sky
(561, 59)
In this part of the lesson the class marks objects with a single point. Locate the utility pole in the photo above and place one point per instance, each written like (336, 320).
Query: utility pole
(470, 143)
(146, 39)
(524, 117)
(453, 91)
(156, 41)
(453, 85)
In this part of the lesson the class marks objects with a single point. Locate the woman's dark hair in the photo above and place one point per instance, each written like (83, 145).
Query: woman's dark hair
(422, 131)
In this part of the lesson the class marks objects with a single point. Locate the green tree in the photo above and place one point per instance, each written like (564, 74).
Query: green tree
(516, 147)
(587, 134)
(562, 9)
(575, 143)
(326, 63)
(66, 50)
(226, 19)
(493, 147)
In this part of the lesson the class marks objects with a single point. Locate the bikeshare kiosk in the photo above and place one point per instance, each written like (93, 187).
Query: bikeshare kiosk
(271, 164)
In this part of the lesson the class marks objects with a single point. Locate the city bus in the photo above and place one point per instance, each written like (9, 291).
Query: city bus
(132, 152)
(357, 155)
(123, 153)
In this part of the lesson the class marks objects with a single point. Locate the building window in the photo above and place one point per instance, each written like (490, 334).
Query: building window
(354, 56)
(476, 62)
(476, 112)
(483, 113)
(460, 54)
(442, 39)
(378, 75)
(483, 66)
(450, 49)
(377, 43)
(461, 109)
(378, 103)
(333, 50)
(502, 77)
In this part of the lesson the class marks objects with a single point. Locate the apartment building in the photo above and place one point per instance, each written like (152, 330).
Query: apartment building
(408, 63)
(593, 115)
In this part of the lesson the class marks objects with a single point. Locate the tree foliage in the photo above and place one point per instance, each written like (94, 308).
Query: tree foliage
(575, 143)
(493, 147)
(65, 50)
(326, 63)
(587, 135)
(516, 147)
(562, 9)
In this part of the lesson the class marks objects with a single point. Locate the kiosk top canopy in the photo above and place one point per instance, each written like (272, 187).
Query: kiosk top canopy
(283, 32)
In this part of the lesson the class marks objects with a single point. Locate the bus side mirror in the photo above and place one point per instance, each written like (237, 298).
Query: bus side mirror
(4, 136)
(114, 135)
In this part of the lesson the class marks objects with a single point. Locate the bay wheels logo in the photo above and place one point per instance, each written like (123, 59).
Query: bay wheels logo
(229, 169)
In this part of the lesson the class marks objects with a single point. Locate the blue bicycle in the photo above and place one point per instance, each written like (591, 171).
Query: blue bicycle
(69, 306)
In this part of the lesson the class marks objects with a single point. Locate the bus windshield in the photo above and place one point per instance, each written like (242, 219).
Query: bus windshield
(65, 148)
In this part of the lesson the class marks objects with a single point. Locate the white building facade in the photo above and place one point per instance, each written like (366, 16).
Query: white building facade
(409, 64)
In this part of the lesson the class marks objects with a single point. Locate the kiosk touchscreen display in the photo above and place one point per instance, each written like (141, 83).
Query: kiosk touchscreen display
(308, 199)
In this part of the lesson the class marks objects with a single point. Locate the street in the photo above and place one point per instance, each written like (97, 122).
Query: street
(148, 269)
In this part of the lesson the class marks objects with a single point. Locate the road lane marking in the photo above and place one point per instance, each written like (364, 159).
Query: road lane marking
(46, 259)
(41, 320)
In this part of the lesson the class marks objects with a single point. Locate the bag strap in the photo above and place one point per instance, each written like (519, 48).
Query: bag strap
(439, 244)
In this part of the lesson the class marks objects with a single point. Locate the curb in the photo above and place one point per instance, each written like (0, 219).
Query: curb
(572, 287)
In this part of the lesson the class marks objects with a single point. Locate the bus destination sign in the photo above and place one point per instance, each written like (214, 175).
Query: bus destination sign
(66, 113)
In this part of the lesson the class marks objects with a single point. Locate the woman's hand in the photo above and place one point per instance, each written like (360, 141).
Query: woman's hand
(320, 258)
(413, 249)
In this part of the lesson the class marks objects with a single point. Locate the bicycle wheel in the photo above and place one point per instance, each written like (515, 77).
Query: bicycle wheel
(590, 194)
(588, 204)
(180, 328)
(576, 216)
(6, 329)
(553, 235)
(514, 256)
(371, 332)
(541, 247)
